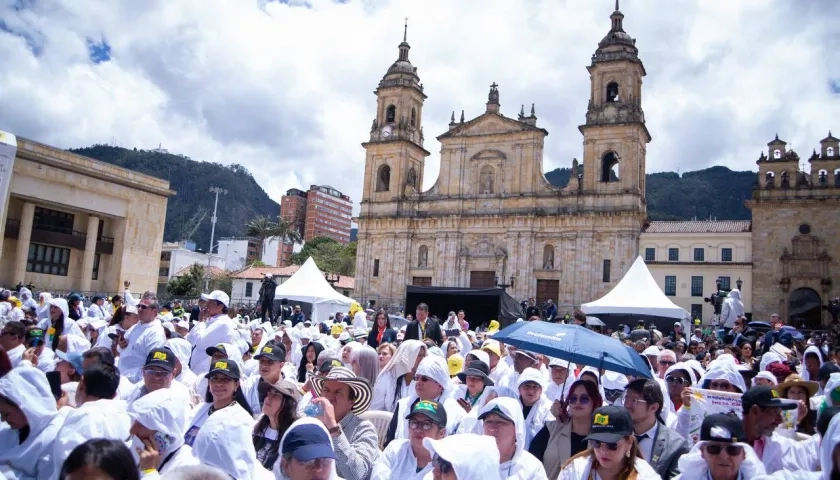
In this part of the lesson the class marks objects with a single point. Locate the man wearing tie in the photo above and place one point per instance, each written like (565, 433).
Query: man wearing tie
(424, 327)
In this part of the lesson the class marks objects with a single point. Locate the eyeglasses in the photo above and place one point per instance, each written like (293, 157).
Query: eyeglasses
(316, 463)
(155, 373)
(631, 402)
(583, 399)
(443, 465)
(677, 380)
(417, 425)
(596, 444)
(724, 385)
(423, 378)
(667, 363)
(143, 307)
(731, 450)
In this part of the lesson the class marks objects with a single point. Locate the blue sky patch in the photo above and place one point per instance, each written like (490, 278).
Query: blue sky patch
(35, 45)
(98, 51)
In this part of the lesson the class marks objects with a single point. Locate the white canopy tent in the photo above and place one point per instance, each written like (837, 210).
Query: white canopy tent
(637, 295)
(309, 285)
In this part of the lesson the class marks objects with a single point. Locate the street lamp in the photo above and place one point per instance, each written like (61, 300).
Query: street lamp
(217, 191)
(739, 282)
(332, 278)
(504, 286)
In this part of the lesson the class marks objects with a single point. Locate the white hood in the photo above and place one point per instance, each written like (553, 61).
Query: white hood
(685, 368)
(694, 467)
(829, 442)
(722, 369)
(436, 368)
(735, 294)
(278, 474)
(815, 351)
(29, 389)
(44, 310)
(163, 411)
(532, 375)
(513, 410)
(472, 456)
(404, 358)
(767, 359)
(225, 442)
(832, 383)
(182, 350)
(62, 304)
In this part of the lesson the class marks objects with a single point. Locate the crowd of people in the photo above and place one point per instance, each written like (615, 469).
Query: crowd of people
(127, 389)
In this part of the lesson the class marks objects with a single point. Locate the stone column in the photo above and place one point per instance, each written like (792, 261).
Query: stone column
(90, 251)
(24, 237)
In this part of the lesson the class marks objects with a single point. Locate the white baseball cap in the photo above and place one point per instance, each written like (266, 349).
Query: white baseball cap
(218, 296)
(131, 309)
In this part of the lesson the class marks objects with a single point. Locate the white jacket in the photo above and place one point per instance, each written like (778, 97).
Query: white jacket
(523, 465)
(29, 389)
(142, 338)
(165, 412)
(219, 329)
(225, 442)
(732, 308)
(398, 461)
(472, 456)
(579, 470)
(693, 466)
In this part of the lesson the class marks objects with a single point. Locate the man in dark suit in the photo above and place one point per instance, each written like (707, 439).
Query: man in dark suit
(660, 445)
(423, 327)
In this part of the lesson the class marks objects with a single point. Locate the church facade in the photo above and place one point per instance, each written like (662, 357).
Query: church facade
(491, 218)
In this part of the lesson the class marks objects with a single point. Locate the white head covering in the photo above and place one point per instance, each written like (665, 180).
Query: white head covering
(724, 370)
(163, 411)
(480, 355)
(812, 350)
(767, 376)
(225, 442)
(404, 358)
(829, 442)
(182, 349)
(559, 362)
(471, 455)
(513, 410)
(531, 375)
(768, 358)
(685, 368)
(437, 368)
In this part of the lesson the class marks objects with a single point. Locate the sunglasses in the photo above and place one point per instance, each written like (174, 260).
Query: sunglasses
(443, 465)
(731, 450)
(143, 307)
(155, 373)
(583, 399)
(597, 444)
(677, 380)
(416, 425)
(423, 378)
(667, 363)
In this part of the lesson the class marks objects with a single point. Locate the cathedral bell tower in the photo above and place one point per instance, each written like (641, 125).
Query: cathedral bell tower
(615, 135)
(395, 153)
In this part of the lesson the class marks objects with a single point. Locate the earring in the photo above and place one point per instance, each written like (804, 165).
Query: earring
(627, 454)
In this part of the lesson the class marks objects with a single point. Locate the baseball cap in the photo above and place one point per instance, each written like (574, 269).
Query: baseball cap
(228, 368)
(721, 427)
(610, 424)
(220, 348)
(526, 354)
(75, 359)
(131, 309)
(306, 442)
(455, 364)
(34, 333)
(496, 411)
(492, 346)
(433, 410)
(161, 357)
(764, 397)
(218, 296)
(285, 387)
(272, 351)
(329, 364)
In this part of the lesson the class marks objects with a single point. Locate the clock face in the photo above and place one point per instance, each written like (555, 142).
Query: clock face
(386, 132)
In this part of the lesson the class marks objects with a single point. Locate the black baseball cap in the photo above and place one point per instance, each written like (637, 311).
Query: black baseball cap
(433, 410)
(161, 357)
(610, 424)
(34, 333)
(228, 368)
(275, 352)
(721, 427)
(764, 397)
(220, 348)
(825, 371)
(329, 364)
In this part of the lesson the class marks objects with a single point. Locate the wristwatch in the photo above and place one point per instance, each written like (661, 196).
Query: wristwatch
(335, 431)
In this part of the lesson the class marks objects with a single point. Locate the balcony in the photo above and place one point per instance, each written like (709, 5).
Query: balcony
(60, 237)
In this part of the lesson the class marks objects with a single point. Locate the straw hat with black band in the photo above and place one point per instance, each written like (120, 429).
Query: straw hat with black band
(795, 380)
(362, 393)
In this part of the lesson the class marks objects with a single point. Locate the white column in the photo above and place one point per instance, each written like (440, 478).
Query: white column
(24, 237)
(90, 251)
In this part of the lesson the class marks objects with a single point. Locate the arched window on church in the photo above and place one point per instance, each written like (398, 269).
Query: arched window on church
(423, 256)
(413, 117)
(769, 180)
(612, 92)
(391, 114)
(785, 179)
(383, 178)
(777, 154)
(823, 178)
(609, 167)
(829, 152)
(548, 257)
(487, 180)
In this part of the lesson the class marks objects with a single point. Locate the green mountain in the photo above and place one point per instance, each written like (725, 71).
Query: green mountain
(715, 192)
(188, 212)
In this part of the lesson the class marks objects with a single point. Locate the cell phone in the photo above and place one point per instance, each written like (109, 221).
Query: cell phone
(55, 383)
(163, 441)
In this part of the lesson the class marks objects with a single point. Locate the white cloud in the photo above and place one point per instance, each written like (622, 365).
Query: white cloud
(286, 90)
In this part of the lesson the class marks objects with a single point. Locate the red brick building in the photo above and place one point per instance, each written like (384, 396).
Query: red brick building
(320, 211)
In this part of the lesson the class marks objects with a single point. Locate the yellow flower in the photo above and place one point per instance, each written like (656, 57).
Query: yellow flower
(51, 331)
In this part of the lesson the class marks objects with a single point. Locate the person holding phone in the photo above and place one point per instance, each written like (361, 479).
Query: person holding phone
(157, 434)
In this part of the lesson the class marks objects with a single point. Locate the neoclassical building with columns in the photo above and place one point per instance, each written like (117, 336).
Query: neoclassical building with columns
(491, 216)
(77, 224)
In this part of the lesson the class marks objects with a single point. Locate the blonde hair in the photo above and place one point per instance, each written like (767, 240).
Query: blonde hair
(628, 472)
(389, 346)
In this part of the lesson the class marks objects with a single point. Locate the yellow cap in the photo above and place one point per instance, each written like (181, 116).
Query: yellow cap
(336, 329)
(456, 364)
(494, 326)
(492, 346)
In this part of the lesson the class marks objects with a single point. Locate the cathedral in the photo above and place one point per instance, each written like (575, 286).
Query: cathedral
(491, 218)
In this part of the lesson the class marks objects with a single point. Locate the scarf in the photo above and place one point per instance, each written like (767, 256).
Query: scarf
(379, 333)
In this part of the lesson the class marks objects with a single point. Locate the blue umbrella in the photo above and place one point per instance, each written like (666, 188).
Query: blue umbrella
(575, 344)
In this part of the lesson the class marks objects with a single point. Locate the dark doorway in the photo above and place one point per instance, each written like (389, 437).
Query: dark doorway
(804, 310)
(482, 279)
(421, 281)
(548, 289)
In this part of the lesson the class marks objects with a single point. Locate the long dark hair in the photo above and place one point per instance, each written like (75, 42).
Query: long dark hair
(238, 397)
(110, 456)
(302, 367)
(387, 320)
(119, 314)
(286, 416)
(59, 328)
(5, 363)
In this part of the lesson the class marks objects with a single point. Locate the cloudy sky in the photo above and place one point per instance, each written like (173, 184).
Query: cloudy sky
(285, 87)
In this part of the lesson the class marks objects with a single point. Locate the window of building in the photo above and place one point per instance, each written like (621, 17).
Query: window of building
(699, 255)
(95, 275)
(376, 267)
(671, 285)
(606, 273)
(673, 254)
(724, 283)
(249, 289)
(650, 254)
(165, 256)
(697, 310)
(696, 286)
(163, 272)
(725, 254)
(53, 221)
(48, 259)
(391, 114)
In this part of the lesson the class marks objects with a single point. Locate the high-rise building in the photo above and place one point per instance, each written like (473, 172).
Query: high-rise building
(322, 211)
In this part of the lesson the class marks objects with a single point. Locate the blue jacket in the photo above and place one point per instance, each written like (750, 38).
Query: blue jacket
(388, 336)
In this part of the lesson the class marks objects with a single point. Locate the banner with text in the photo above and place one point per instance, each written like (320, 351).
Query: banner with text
(708, 402)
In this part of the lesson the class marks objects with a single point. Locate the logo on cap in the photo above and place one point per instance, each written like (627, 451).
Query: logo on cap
(220, 365)
(774, 393)
(159, 356)
(426, 405)
(36, 332)
(719, 432)
(336, 363)
(601, 419)
(267, 349)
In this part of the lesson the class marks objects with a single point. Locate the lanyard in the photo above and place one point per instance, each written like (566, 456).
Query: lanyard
(473, 400)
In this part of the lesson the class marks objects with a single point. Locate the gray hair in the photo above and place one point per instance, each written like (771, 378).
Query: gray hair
(152, 297)
(368, 360)
(196, 472)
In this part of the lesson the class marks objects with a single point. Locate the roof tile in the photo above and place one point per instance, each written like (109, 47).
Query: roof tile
(701, 226)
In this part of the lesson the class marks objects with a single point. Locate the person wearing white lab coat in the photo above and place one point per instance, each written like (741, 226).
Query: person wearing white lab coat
(59, 323)
(225, 442)
(143, 337)
(160, 418)
(219, 328)
(502, 419)
(406, 458)
(26, 402)
(97, 415)
(468, 456)
(475, 390)
(720, 432)
(531, 399)
(828, 452)
(392, 384)
(97, 310)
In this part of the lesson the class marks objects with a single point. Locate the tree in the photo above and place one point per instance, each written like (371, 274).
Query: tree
(188, 285)
(262, 228)
(329, 255)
